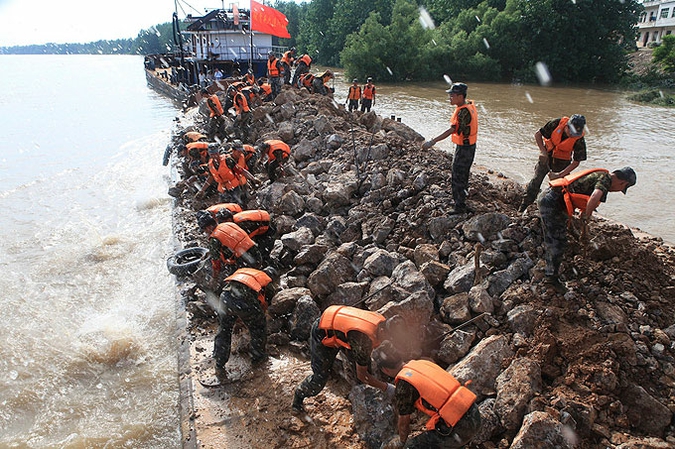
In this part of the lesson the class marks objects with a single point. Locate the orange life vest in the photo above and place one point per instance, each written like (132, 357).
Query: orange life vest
(457, 138)
(287, 58)
(219, 108)
(254, 216)
(234, 208)
(249, 79)
(234, 238)
(562, 149)
(240, 103)
(306, 60)
(369, 92)
(354, 92)
(254, 279)
(275, 145)
(201, 147)
(224, 176)
(574, 200)
(272, 68)
(266, 88)
(307, 79)
(345, 319)
(249, 152)
(439, 389)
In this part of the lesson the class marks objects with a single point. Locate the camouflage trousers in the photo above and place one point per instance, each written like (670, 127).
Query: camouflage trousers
(275, 84)
(554, 223)
(249, 310)
(461, 167)
(544, 165)
(322, 362)
(459, 436)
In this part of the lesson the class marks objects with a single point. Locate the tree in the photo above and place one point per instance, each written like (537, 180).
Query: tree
(664, 54)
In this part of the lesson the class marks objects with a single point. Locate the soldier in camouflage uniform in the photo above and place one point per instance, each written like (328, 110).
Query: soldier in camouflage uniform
(464, 130)
(248, 301)
(358, 344)
(390, 362)
(592, 185)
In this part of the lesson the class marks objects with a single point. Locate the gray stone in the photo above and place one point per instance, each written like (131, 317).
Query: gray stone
(283, 302)
(483, 364)
(334, 270)
(380, 263)
(455, 346)
(523, 319)
(516, 386)
(306, 150)
(435, 272)
(297, 239)
(374, 417)
(461, 278)
(645, 412)
(499, 281)
(292, 204)
(541, 431)
(485, 227)
(305, 313)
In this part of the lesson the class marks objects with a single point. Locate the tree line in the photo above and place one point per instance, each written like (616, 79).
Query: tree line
(481, 40)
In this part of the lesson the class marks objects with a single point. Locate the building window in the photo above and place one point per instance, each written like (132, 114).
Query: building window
(668, 33)
(665, 12)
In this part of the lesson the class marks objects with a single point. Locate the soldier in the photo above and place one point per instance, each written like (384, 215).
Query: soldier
(246, 294)
(464, 130)
(354, 330)
(425, 386)
(584, 191)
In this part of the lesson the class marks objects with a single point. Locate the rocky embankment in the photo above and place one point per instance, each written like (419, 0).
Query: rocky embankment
(363, 213)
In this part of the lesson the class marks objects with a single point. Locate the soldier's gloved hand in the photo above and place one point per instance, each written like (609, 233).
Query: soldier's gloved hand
(390, 391)
(428, 144)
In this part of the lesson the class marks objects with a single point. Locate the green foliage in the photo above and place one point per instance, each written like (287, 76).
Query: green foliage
(655, 97)
(157, 39)
(388, 52)
(664, 54)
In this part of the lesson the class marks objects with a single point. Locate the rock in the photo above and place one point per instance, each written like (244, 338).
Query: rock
(645, 413)
(460, 279)
(292, 204)
(541, 431)
(380, 263)
(435, 272)
(498, 282)
(485, 227)
(304, 314)
(523, 319)
(306, 150)
(284, 302)
(483, 364)
(515, 387)
(374, 417)
(297, 239)
(455, 346)
(334, 270)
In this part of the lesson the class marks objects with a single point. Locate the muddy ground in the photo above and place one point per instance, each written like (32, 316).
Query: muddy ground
(604, 350)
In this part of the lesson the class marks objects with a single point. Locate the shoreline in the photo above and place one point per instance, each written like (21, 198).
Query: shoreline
(213, 417)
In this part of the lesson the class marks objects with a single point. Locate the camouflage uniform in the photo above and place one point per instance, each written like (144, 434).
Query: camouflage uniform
(239, 301)
(462, 161)
(554, 216)
(323, 358)
(444, 436)
(550, 164)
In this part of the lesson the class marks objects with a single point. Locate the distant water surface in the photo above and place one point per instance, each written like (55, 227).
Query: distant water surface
(87, 338)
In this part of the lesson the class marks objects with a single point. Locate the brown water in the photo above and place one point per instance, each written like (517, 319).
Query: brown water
(618, 133)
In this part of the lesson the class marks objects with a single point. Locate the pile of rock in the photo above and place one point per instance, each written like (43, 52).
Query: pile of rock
(362, 219)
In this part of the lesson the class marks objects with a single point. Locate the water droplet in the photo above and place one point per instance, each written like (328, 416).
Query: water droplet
(434, 42)
(477, 19)
(543, 74)
(481, 238)
(529, 97)
(425, 19)
(390, 72)
(447, 79)
(486, 43)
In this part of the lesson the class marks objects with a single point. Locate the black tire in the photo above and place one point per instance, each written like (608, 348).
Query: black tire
(186, 261)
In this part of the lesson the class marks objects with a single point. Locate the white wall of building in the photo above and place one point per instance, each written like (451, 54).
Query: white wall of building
(657, 20)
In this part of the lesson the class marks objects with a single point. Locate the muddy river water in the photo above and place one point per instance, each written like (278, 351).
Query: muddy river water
(619, 133)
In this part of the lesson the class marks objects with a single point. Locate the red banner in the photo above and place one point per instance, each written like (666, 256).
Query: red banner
(268, 20)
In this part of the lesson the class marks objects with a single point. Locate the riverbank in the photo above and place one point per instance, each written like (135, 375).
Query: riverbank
(367, 208)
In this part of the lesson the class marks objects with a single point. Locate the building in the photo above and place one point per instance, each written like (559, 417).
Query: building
(657, 20)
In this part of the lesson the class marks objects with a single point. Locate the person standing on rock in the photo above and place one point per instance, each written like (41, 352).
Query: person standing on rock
(354, 95)
(274, 73)
(246, 294)
(368, 96)
(562, 147)
(584, 191)
(287, 61)
(216, 111)
(425, 386)
(355, 330)
(464, 131)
